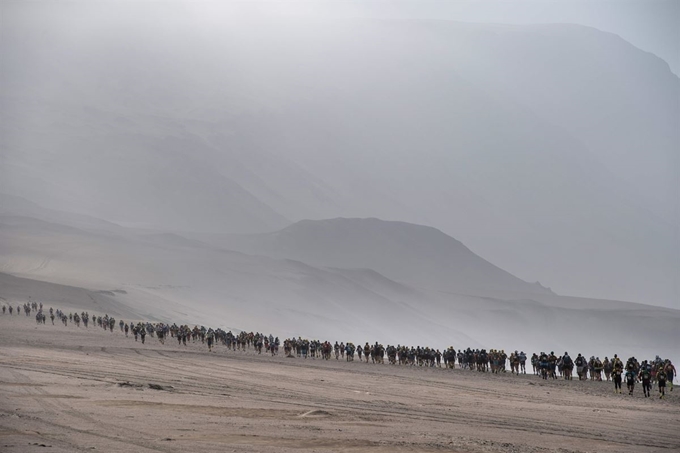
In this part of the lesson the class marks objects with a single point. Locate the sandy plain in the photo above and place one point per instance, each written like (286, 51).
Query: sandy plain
(66, 389)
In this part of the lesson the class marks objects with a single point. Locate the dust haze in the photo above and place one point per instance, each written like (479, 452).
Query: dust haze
(354, 171)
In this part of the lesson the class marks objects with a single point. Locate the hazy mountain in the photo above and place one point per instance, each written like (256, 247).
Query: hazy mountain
(420, 256)
(549, 150)
(166, 278)
(16, 291)
(17, 206)
(143, 179)
(142, 275)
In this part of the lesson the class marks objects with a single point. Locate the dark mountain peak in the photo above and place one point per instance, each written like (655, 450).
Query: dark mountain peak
(420, 256)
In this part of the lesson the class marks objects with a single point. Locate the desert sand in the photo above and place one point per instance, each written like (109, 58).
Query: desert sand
(65, 389)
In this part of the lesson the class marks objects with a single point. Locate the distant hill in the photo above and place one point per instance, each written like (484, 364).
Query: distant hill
(153, 275)
(420, 256)
(18, 206)
(15, 290)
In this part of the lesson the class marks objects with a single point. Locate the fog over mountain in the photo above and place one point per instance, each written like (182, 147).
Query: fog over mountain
(194, 158)
(421, 256)
(135, 273)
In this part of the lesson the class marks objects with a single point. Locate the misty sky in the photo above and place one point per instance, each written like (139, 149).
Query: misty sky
(652, 25)
(549, 150)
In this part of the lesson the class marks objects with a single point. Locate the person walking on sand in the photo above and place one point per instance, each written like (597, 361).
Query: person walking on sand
(646, 378)
(661, 377)
(630, 380)
(670, 373)
(616, 377)
(210, 336)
